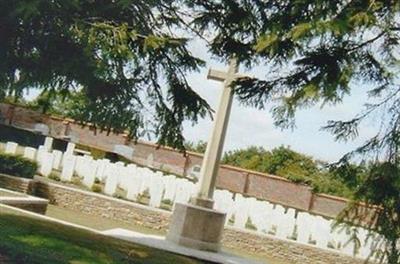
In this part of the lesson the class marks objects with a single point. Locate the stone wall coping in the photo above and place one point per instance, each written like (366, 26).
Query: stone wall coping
(12, 192)
(345, 200)
(103, 196)
(16, 177)
(332, 197)
(24, 200)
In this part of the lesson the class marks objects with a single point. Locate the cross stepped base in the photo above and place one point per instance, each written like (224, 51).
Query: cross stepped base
(196, 227)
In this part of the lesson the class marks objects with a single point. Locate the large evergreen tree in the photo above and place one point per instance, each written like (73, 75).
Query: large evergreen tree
(122, 54)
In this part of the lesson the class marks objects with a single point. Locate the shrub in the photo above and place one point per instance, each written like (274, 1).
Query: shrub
(54, 176)
(97, 188)
(17, 166)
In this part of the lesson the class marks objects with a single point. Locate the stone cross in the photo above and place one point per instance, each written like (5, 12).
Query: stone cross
(210, 166)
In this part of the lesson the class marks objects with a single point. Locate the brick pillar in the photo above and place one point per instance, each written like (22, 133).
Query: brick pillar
(127, 139)
(186, 165)
(66, 128)
(246, 184)
(311, 204)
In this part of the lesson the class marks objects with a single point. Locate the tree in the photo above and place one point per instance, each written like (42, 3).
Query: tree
(199, 147)
(121, 54)
(294, 166)
(315, 52)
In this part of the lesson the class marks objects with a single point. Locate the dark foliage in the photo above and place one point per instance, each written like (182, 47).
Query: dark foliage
(17, 166)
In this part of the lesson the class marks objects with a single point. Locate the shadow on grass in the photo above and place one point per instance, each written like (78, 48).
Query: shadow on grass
(29, 240)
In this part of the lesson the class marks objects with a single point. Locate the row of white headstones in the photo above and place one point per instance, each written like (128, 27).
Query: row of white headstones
(242, 212)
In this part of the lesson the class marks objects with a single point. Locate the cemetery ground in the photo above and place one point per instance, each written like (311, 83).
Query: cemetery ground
(74, 201)
(32, 236)
(26, 239)
(40, 239)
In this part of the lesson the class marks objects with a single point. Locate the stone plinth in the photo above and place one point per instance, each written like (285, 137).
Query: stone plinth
(196, 227)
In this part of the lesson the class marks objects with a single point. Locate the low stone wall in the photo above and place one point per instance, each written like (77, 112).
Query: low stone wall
(17, 184)
(284, 250)
(103, 206)
(241, 240)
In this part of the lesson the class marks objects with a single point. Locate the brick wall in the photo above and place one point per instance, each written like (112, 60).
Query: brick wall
(263, 186)
(279, 190)
(323, 203)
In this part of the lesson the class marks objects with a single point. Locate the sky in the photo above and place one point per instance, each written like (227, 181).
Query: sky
(249, 126)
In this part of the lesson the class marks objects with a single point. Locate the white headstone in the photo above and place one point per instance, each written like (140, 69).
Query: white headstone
(241, 209)
(120, 171)
(30, 153)
(183, 191)
(82, 165)
(134, 186)
(260, 212)
(101, 169)
(57, 159)
(285, 228)
(304, 223)
(156, 191)
(170, 187)
(111, 183)
(48, 144)
(47, 164)
(322, 228)
(11, 148)
(90, 174)
(68, 168)
(366, 243)
(146, 175)
(70, 148)
(40, 154)
(224, 202)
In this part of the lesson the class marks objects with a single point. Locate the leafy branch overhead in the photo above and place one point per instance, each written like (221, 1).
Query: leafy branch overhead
(122, 54)
(315, 52)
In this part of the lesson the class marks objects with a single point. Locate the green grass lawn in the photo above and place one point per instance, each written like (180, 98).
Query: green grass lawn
(25, 239)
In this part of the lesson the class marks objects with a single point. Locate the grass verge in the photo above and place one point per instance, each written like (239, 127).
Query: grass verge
(25, 239)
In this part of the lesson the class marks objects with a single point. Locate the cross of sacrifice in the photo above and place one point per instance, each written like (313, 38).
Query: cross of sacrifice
(212, 157)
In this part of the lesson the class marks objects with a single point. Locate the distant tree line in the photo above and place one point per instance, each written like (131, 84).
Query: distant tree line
(341, 180)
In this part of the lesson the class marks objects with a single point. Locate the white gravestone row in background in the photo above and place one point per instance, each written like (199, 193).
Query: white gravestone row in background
(11, 148)
(265, 217)
(30, 153)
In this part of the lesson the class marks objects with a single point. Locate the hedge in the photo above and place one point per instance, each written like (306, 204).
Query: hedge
(17, 166)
